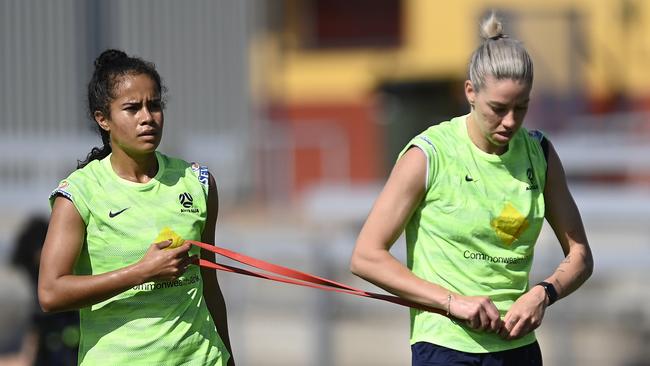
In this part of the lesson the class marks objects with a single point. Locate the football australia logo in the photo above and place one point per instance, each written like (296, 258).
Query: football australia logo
(531, 178)
(187, 202)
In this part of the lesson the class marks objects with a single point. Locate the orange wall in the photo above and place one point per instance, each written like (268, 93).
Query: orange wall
(356, 121)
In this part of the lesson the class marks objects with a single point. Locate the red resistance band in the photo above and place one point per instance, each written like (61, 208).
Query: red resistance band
(294, 277)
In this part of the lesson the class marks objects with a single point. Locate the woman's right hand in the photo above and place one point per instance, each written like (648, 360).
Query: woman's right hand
(160, 264)
(479, 312)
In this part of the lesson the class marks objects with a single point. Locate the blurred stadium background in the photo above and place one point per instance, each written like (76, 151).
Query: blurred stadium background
(299, 108)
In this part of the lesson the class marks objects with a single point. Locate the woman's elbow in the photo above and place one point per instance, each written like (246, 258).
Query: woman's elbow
(359, 264)
(46, 305)
(354, 265)
(47, 300)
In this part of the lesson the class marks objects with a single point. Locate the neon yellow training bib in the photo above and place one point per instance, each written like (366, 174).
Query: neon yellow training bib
(156, 323)
(475, 230)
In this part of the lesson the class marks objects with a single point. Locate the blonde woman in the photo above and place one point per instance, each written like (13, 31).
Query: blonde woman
(471, 195)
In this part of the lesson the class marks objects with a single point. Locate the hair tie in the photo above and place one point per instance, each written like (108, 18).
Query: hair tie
(498, 36)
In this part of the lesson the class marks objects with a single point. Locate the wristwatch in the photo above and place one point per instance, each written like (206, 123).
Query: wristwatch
(550, 291)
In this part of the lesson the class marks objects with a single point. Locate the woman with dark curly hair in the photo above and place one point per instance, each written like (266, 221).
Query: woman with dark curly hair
(141, 301)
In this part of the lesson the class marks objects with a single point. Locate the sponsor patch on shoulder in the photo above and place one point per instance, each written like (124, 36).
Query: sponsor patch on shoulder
(204, 176)
(201, 172)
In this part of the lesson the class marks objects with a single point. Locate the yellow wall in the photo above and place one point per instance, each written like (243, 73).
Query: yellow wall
(619, 54)
(439, 36)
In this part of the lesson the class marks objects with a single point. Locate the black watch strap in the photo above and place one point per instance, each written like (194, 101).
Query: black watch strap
(550, 292)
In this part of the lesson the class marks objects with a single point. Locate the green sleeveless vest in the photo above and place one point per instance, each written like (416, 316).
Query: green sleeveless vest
(475, 230)
(156, 323)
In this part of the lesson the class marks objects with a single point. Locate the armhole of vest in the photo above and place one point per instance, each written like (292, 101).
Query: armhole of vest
(428, 179)
(67, 195)
(59, 193)
(544, 143)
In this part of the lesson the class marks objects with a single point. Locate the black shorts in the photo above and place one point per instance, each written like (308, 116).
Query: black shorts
(427, 354)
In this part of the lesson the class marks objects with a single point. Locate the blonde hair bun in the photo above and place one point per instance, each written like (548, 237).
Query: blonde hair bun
(491, 28)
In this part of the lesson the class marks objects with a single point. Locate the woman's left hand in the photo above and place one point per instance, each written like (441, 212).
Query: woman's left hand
(525, 315)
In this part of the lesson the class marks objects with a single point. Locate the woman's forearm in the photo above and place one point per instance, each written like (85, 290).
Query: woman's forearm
(71, 292)
(573, 271)
(380, 268)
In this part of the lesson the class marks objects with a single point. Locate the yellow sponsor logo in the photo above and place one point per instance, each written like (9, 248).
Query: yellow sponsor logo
(510, 224)
(168, 234)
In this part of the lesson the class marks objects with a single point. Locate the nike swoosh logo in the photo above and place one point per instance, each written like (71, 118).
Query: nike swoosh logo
(468, 178)
(112, 214)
